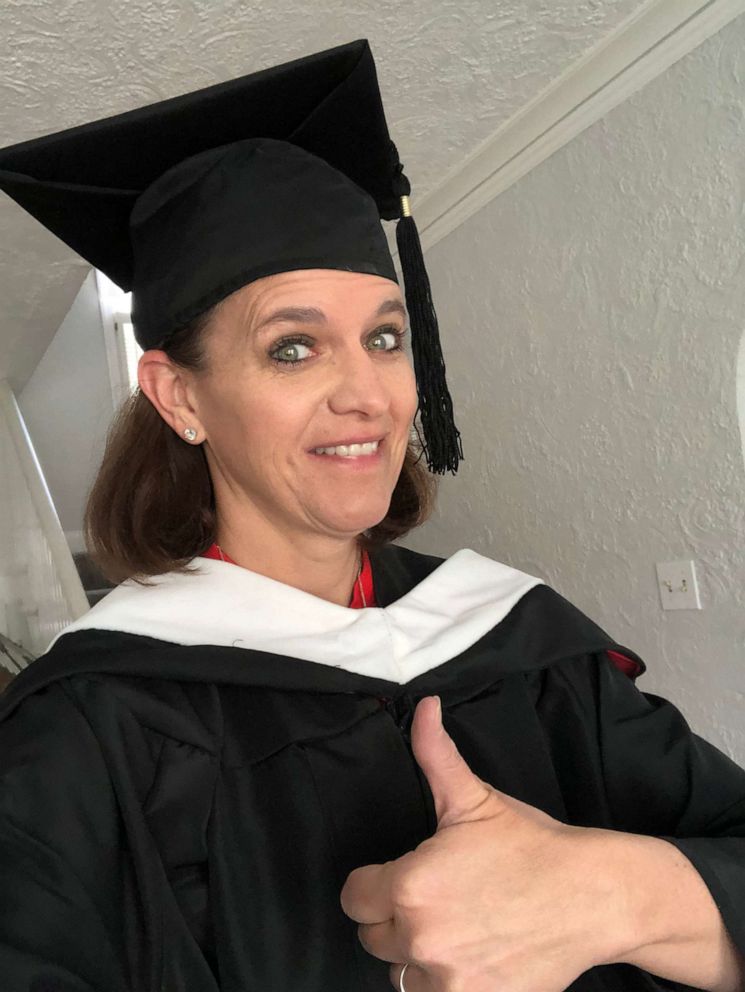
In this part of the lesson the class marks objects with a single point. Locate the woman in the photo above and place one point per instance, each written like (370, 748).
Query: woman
(223, 777)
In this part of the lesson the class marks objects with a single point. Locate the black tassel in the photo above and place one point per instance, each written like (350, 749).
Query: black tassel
(442, 444)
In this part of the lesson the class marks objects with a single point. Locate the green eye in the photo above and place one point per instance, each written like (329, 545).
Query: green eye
(386, 341)
(289, 352)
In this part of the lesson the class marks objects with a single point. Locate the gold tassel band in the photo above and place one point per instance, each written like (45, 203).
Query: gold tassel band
(405, 207)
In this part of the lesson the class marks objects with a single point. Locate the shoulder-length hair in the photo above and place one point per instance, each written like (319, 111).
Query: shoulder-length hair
(151, 508)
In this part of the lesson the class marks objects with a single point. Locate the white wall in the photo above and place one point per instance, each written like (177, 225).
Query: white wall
(591, 320)
(67, 406)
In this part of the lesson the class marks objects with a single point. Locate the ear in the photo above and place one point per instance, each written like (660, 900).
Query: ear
(167, 386)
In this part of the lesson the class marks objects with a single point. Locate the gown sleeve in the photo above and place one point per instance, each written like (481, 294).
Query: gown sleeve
(59, 866)
(664, 780)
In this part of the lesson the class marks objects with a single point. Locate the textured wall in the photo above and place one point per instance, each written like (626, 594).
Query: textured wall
(67, 405)
(592, 316)
(455, 68)
(450, 73)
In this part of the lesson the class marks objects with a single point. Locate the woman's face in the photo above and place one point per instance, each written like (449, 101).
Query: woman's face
(298, 362)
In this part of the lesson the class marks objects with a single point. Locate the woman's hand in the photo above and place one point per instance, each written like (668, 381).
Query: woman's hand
(503, 896)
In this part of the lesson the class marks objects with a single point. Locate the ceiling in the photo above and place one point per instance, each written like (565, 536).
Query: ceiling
(451, 74)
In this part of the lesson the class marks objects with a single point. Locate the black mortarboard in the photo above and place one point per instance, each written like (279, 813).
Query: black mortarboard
(184, 201)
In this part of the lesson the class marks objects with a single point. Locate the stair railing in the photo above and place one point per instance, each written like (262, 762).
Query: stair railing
(40, 589)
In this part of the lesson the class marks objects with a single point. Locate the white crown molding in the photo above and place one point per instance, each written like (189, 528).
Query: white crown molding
(646, 44)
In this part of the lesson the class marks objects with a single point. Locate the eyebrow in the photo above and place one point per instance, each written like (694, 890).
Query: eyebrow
(312, 315)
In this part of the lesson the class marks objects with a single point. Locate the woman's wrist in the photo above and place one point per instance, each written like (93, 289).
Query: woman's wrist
(656, 912)
(615, 927)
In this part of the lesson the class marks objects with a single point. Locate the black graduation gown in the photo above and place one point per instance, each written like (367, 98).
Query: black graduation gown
(181, 817)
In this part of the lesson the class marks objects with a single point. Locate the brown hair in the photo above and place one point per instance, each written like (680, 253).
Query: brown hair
(152, 507)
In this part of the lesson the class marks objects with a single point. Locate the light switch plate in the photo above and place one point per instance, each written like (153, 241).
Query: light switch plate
(678, 585)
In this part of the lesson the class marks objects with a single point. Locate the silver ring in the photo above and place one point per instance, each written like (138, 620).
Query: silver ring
(401, 978)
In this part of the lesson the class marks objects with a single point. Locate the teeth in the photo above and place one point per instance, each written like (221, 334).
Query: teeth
(350, 450)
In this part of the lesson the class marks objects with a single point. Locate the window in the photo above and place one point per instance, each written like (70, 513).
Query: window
(129, 350)
(122, 351)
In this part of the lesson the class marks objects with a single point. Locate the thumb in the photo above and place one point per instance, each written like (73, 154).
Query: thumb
(458, 794)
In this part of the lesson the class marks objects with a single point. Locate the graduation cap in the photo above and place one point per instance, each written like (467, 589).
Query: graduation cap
(186, 200)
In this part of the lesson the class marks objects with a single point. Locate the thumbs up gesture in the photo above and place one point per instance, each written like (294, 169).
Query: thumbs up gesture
(502, 896)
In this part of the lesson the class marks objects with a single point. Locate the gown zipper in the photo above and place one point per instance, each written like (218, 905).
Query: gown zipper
(401, 710)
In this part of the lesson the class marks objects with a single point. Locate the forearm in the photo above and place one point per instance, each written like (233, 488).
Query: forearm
(669, 924)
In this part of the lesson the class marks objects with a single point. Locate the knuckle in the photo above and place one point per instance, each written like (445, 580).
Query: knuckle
(407, 887)
(419, 948)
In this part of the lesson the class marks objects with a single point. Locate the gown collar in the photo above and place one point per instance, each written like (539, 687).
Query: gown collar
(216, 603)
(362, 587)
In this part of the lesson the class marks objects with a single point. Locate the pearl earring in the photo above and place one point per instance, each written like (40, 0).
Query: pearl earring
(190, 434)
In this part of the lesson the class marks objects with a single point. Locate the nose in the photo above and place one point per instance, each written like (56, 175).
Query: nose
(359, 384)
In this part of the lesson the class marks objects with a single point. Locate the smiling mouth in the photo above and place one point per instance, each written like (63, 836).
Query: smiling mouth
(366, 450)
